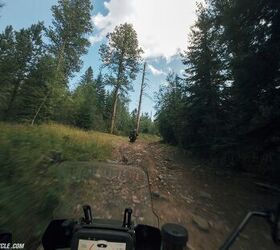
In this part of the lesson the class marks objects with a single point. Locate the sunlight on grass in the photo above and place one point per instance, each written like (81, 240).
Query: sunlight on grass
(28, 188)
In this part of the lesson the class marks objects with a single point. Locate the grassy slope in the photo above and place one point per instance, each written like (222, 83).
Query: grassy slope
(29, 192)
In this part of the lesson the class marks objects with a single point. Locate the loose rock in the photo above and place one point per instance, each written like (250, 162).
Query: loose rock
(135, 199)
(201, 223)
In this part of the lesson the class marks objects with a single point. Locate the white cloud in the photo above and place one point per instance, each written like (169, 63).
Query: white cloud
(156, 71)
(162, 25)
(95, 39)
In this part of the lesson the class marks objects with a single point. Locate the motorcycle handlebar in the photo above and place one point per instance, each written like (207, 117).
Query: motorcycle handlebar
(60, 233)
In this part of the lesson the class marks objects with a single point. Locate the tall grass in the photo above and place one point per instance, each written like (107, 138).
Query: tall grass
(29, 190)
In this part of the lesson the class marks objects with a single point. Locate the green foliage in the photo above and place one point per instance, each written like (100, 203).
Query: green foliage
(22, 55)
(71, 24)
(85, 99)
(122, 57)
(170, 113)
(228, 103)
(123, 121)
(34, 75)
(33, 92)
(150, 137)
(204, 84)
(147, 126)
(68, 42)
(101, 94)
(37, 62)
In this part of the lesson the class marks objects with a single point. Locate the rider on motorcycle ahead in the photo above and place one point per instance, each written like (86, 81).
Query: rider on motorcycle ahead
(133, 135)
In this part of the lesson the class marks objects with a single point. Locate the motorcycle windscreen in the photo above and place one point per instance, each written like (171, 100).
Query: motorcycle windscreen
(107, 188)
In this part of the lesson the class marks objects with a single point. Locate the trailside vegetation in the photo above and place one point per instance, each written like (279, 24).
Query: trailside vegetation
(226, 107)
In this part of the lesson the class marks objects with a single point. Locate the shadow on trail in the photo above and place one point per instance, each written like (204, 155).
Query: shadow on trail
(210, 202)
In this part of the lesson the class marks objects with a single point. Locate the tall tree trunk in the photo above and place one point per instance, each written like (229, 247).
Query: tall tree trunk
(140, 99)
(116, 94)
(114, 110)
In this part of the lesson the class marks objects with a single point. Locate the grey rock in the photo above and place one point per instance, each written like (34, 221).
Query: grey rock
(201, 223)
(135, 199)
(188, 198)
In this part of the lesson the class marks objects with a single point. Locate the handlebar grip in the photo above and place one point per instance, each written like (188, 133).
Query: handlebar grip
(174, 237)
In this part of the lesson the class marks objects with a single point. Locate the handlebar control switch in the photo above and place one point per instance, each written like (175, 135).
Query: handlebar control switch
(87, 214)
(174, 237)
(127, 218)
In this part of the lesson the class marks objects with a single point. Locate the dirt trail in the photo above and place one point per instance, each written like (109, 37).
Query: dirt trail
(208, 202)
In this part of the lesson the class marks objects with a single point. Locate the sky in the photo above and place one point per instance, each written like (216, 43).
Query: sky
(162, 27)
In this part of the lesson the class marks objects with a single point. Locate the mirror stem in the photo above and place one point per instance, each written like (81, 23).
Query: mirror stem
(229, 241)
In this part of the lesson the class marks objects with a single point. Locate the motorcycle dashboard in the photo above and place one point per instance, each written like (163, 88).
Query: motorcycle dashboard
(100, 244)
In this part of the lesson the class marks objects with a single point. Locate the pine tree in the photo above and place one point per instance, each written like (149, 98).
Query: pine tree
(85, 100)
(203, 84)
(21, 53)
(230, 97)
(122, 57)
(252, 37)
(68, 41)
(101, 93)
(170, 109)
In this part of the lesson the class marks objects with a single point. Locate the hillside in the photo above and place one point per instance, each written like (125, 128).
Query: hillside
(29, 157)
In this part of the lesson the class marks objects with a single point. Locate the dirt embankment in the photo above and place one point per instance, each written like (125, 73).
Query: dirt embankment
(208, 202)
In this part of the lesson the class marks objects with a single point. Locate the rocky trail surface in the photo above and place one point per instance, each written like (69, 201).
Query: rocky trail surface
(209, 202)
